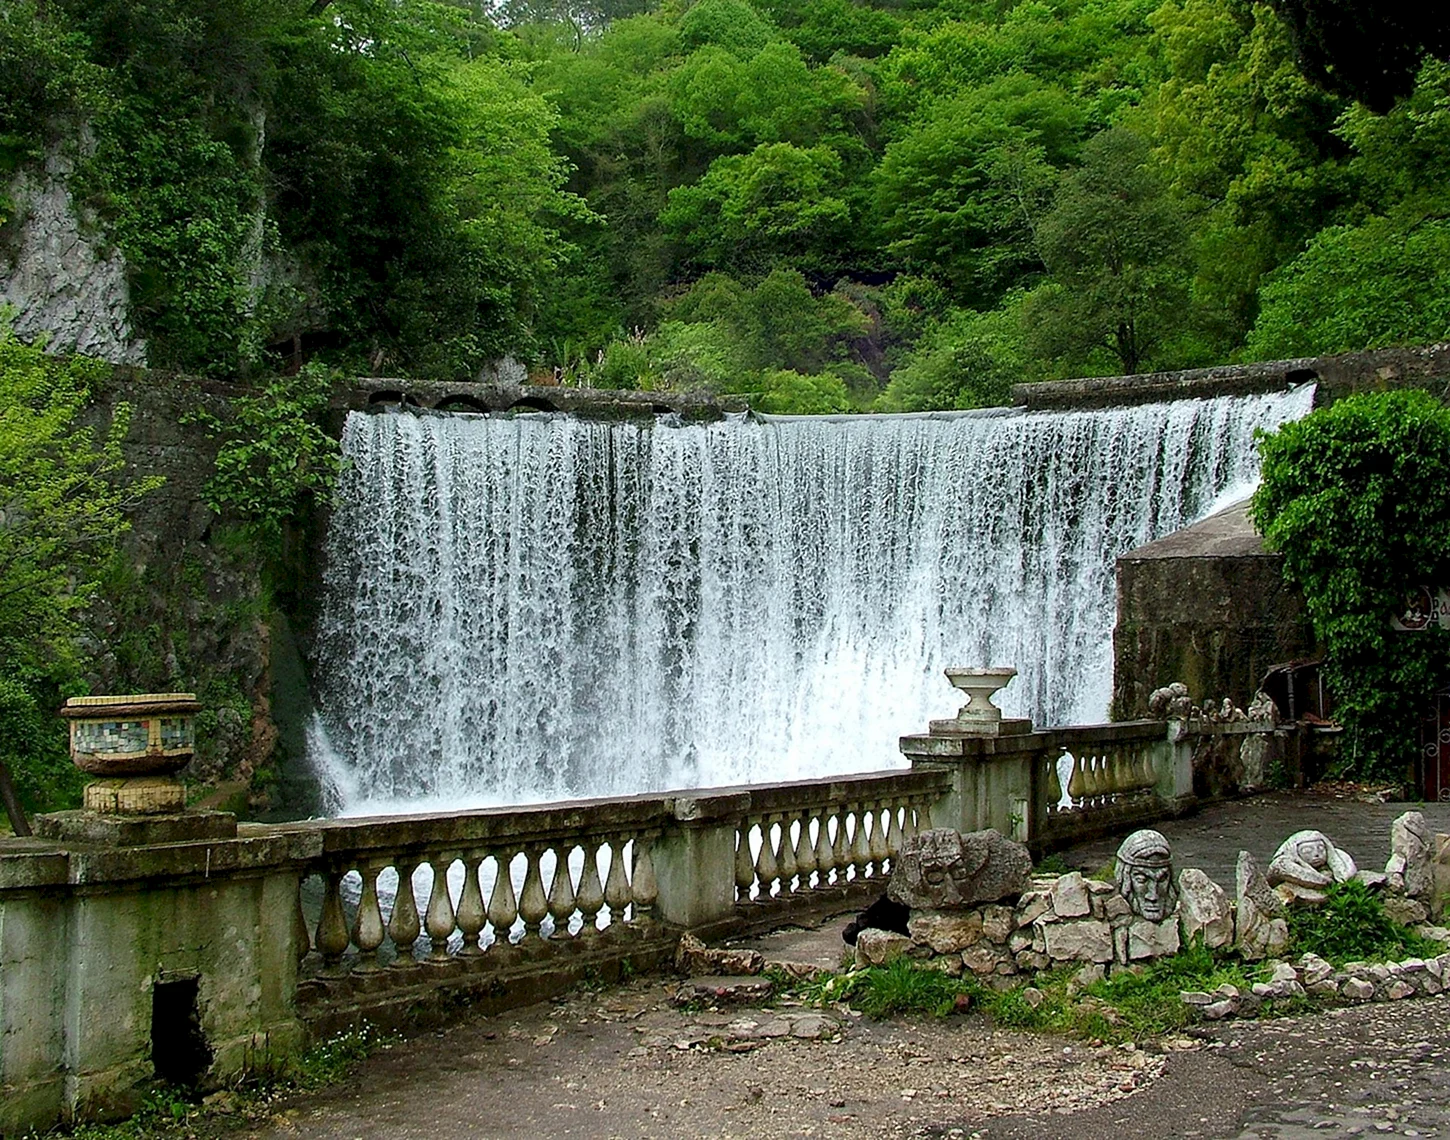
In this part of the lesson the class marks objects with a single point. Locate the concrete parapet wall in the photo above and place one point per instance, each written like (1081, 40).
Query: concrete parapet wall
(1335, 376)
(1207, 606)
(373, 393)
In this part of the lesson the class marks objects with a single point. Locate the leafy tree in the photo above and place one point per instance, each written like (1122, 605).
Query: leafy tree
(784, 392)
(63, 505)
(1117, 246)
(1381, 283)
(958, 195)
(1357, 498)
(274, 453)
(777, 203)
(969, 360)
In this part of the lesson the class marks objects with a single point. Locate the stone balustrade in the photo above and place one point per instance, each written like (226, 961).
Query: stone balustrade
(426, 890)
(816, 839)
(280, 933)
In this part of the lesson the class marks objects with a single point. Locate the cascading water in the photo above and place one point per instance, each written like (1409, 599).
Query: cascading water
(540, 607)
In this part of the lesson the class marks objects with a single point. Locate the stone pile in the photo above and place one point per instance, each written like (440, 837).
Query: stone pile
(1032, 923)
(974, 906)
(1314, 977)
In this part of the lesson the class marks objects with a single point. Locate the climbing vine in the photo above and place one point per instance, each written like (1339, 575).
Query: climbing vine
(274, 453)
(1357, 499)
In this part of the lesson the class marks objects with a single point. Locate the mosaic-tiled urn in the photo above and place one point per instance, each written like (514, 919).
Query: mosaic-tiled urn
(134, 745)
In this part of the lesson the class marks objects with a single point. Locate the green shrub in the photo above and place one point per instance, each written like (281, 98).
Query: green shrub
(1352, 926)
(1357, 498)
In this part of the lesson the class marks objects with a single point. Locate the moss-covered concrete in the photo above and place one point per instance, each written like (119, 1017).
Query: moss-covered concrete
(1207, 606)
(86, 934)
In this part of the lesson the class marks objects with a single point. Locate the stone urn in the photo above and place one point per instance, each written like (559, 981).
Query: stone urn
(979, 716)
(134, 746)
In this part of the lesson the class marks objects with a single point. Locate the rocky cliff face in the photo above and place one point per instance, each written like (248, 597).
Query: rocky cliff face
(59, 272)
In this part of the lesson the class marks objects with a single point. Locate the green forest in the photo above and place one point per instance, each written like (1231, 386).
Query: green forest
(825, 205)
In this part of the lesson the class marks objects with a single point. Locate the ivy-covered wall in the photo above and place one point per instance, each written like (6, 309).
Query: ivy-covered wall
(185, 605)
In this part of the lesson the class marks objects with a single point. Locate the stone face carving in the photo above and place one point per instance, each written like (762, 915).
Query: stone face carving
(1260, 924)
(942, 869)
(1263, 709)
(1408, 872)
(1204, 909)
(1309, 859)
(1145, 875)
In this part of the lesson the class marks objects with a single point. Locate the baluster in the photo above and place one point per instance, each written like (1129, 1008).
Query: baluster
(1077, 783)
(332, 937)
(533, 906)
(403, 925)
(767, 870)
(787, 857)
(471, 915)
(860, 850)
(439, 919)
(1122, 774)
(1054, 783)
(805, 852)
(1147, 777)
(616, 885)
(300, 932)
(591, 891)
(923, 816)
(893, 829)
(367, 927)
(825, 856)
(876, 844)
(643, 884)
(910, 817)
(561, 894)
(503, 907)
(744, 865)
(840, 851)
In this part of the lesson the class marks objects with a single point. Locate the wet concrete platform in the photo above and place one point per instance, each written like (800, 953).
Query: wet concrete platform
(1212, 838)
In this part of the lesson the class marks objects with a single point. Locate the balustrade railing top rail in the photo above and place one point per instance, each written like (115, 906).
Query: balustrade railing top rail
(466, 885)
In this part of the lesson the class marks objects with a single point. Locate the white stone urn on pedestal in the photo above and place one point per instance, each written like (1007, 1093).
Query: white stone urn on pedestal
(979, 716)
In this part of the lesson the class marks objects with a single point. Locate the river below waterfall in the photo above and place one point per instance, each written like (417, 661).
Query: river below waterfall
(529, 608)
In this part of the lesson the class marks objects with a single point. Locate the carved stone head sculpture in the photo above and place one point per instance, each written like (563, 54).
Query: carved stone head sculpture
(1145, 875)
(1309, 859)
(942, 869)
(938, 869)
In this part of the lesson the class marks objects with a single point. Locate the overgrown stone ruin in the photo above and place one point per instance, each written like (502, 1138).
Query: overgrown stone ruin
(1007, 923)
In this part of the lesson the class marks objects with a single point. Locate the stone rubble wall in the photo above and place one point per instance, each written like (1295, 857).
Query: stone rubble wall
(1067, 919)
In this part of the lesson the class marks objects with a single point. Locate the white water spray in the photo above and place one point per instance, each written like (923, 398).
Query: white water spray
(536, 608)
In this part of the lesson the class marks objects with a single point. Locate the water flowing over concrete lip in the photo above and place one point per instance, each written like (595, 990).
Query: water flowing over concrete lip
(539, 607)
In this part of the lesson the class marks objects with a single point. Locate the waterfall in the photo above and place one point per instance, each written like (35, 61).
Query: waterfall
(539, 607)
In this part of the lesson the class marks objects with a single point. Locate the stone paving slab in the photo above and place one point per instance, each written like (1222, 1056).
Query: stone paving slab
(1212, 838)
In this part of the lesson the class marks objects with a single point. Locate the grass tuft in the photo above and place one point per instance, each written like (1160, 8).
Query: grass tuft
(1352, 925)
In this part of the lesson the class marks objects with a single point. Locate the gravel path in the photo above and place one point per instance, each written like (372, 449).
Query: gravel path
(626, 1064)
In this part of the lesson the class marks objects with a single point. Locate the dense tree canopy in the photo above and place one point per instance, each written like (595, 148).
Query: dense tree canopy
(946, 196)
